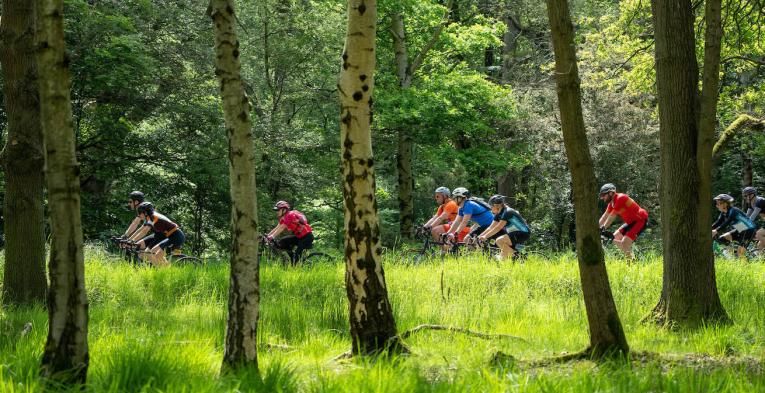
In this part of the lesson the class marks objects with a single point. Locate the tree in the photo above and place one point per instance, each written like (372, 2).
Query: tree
(689, 288)
(65, 357)
(405, 71)
(244, 291)
(24, 279)
(606, 333)
(373, 328)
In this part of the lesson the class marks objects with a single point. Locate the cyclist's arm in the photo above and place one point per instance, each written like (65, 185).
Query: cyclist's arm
(277, 230)
(609, 219)
(603, 218)
(753, 212)
(132, 228)
(493, 228)
(437, 219)
(722, 221)
(140, 233)
(458, 224)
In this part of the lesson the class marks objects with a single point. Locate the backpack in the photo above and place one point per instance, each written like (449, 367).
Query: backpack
(482, 203)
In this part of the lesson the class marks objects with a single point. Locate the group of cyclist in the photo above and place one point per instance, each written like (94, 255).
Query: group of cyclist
(490, 221)
(459, 218)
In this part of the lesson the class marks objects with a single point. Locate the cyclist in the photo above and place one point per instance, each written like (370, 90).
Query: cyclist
(302, 234)
(742, 228)
(165, 234)
(470, 209)
(508, 228)
(445, 215)
(755, 208)
(134, 199)
(634, 217)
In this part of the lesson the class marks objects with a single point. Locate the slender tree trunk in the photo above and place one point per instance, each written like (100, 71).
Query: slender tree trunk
(23, 158)
(510, 39)
(244, 288)
(65, 358)
(405, 184)
(689, 290)
(606, 334)
(747, 173)
(373, 328)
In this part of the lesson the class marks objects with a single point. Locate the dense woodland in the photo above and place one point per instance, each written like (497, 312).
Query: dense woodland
(543, 102)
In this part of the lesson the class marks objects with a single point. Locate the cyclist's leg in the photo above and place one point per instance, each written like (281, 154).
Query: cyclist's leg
(760, 236)
(437, 230)
(288, 243)
(505, 243)
(304, 243)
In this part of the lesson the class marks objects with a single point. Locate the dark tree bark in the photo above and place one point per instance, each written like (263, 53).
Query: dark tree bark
(23, 158)
(606, 333)
(689, 290)
(373, 328)
(65, 358)
(244, 290)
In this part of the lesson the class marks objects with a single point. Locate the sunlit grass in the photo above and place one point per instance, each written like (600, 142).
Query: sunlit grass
(163, 330)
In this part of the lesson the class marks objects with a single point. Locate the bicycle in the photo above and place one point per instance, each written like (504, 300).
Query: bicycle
(133, 255)
(607, 240)
(270, 251)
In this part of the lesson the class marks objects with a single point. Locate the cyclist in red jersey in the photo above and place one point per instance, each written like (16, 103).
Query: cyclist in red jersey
(635, 217)
(294, 221)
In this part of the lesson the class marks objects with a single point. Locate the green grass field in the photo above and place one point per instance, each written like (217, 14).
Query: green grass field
(163, 330)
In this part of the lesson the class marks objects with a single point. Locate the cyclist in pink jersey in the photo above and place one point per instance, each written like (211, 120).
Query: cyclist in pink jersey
(635, 217)
(294, 221)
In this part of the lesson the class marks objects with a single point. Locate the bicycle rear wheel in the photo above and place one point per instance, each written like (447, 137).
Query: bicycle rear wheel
(316, 258)
(183, 260)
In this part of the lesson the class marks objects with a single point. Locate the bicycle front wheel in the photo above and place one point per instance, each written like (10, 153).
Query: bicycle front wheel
(317, 258)
(184, 260)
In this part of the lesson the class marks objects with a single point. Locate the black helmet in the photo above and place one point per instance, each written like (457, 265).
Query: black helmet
(724, 197)
(497, 200)
(137, 196)
(146, 208)
(608, 187)
(749, 191)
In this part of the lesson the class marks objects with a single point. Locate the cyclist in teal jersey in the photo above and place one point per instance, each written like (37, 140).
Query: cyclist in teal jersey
(741, 227)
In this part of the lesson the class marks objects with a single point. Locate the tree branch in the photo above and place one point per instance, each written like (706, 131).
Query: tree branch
(420, 57)
(743, 122)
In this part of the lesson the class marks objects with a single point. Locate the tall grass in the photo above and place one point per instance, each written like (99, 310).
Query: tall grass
(163, 330)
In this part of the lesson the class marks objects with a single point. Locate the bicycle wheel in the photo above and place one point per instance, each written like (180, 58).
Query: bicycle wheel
(316, 258)
(183, 260)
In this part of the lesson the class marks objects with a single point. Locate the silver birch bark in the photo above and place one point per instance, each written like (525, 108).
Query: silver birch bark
(244, 287)
(65, 358)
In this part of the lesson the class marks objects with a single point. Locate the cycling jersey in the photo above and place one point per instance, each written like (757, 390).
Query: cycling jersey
(735, 218)
(478, 214)
(451, 209)
(296, 223)
(756, 207)
(626, 208)
(513, 220)
(159, 223)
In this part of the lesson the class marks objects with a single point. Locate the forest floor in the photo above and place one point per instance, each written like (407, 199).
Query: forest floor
(163, 330)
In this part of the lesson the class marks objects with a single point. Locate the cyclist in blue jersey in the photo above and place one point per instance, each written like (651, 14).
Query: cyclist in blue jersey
(508, 228)
(741, 227)
(470, 210)
(755, 208)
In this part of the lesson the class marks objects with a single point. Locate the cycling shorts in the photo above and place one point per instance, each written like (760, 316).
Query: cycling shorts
(518, 237)
(633, 229)
(174, 241)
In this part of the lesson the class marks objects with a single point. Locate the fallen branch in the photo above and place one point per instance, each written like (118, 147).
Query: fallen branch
(454, 329)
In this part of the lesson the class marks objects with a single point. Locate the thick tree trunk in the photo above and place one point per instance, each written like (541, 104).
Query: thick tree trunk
(244, 290)
(65, 358)
(373, 328)
(23, 158)
(606, 334)
(689, 290)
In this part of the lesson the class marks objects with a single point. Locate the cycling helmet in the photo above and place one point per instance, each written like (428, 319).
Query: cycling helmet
(443, 191)
(137, 196)
(749, 191)
(608, 187)
(146, 208)
(282, 205)
(497, 200)
(461, 192)
(724, 197)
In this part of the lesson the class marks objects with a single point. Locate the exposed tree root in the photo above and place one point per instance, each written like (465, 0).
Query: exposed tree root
(454, 329)
(659, 316)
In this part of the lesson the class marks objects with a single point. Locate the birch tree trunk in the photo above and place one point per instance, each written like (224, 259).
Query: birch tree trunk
(689, 290)
(244, 288)
(606, 333)
(65, 358)
(373, 328)
(23, 159)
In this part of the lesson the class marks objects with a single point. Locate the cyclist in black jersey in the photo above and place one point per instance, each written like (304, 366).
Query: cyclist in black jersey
(755, 209)
(733, 224)
(508, 228)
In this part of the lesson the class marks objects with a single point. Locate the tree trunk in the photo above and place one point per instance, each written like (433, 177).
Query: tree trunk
(65, 358)
(405, 184)
(510, 38)
(689, 290)
(606, 334)
(373, 328)
(747, 173)
(24, 279)
(244, 291)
